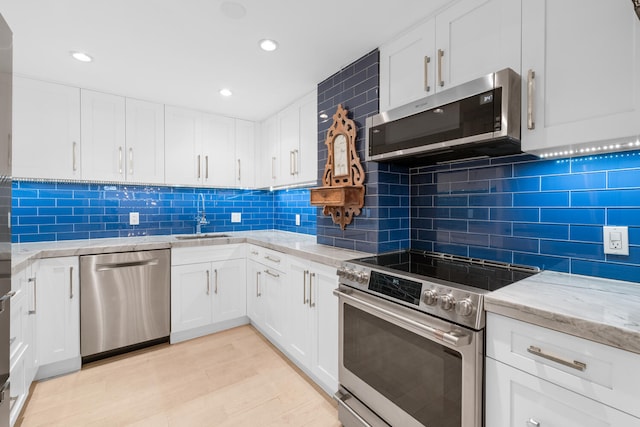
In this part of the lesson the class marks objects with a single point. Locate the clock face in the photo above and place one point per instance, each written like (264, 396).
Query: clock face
(340, 155)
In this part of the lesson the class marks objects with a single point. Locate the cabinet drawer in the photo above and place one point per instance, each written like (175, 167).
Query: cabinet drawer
(515, 398)
(197, 254)
(269, 257)
(17, 327)
(606, 374)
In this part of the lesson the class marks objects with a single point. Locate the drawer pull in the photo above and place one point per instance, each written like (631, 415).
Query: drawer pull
(570, 363)
(267, 257)
(532, 423)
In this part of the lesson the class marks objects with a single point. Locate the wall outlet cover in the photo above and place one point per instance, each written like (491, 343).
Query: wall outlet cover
(616, 240)
(236, 216)
(134, 218)
(297, 219)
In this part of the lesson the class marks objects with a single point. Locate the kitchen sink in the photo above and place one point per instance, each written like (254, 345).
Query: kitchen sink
(201, 236)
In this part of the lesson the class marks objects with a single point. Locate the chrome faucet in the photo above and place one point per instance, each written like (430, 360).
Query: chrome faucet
(201, 219)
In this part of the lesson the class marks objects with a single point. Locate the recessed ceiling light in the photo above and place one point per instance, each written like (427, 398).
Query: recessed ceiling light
(268, 45)
(81, 56)
(225, 92)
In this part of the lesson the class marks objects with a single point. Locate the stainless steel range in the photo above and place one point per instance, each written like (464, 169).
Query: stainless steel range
(411, 345)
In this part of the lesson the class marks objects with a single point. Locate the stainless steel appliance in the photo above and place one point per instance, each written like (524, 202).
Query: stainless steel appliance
(478, 118)
(6, 78)
(411, 350)
(124, 301)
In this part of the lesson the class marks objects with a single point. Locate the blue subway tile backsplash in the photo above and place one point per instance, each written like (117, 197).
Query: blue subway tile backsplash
(545, 213)
(49, 211)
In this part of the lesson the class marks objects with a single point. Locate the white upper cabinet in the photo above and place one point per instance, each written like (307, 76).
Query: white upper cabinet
(46, 130)
(200, 148)
(245, 174)
(584, 82)
(103, 136)
(468, 40)
(145, 142)
(218, 151)
(183, 145)
(289, 144)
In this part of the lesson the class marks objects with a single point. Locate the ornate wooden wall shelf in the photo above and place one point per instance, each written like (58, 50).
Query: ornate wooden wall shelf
(342, 193)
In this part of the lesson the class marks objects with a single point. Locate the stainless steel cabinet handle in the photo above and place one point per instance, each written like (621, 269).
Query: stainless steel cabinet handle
(440, 55)
(258, 284)
(272, 274)
(254, 252)
(456, 339)
(427, 60)
(580, 366)
(239, 174)
(199, 167)
(206, 167)
(120, 160)
(532, 423)
(35, 294)
(304, 287)
(311, 303)
(531, 76)
(273, 168)
(73, 156)
(297, 161)
(70, 282)
(4, 298)
(291, 161)
(215, 272)
(267, 257)
(208, 283)
(130, 161)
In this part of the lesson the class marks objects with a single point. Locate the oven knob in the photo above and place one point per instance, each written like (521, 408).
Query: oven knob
(341, 272)
(362, 277)
(464, 307)
(351, 274)
(447, 302)
(430, 297)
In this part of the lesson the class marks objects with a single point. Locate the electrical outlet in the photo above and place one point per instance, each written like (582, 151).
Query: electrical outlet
(134, 218)
(236, 217)
(297, 219)
(616, 240)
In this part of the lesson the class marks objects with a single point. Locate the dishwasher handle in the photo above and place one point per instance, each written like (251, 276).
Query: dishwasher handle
(116, 265)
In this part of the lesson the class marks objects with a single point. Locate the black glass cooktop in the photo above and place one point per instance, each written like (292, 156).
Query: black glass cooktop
(487, 275)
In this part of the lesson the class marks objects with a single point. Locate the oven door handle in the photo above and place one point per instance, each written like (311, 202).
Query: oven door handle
(455, 339)
(340, 398)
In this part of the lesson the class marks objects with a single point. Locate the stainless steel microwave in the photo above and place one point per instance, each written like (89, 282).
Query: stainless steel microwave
(476, 119)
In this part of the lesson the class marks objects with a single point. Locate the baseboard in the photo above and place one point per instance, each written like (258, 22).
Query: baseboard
(201, 331)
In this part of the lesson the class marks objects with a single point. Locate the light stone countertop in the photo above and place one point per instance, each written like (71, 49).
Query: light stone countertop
(301, 245)
(602, 310)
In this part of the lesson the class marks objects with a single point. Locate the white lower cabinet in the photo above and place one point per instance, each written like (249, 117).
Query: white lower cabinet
(540, 377)
(208, 291)
(57, 307)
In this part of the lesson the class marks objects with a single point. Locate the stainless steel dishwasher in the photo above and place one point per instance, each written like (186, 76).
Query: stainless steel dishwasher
(124, 301)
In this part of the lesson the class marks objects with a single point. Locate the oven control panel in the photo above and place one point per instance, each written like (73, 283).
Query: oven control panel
(448, 302)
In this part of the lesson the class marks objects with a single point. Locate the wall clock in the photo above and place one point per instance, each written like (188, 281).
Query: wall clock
(342, 192)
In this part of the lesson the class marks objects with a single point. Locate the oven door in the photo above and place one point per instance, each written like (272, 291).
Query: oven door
(409, 368)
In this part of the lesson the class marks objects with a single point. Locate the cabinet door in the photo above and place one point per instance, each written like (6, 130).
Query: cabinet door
(408, 67)
(229, 289)
(145, 142)
(245, 176)
(191, 290)
(255, 299)
(289, 138)
(58, 310)
(515, 398)
(183, 146)
(218, 151)
(477, 37)
(298, 321)
(46, 130)
(103, 136)
(324, 304)
(587, 82)
(306, 161)
(269, 153)
(273, 293)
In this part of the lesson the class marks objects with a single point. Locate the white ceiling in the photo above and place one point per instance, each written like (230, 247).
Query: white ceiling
(182, 52)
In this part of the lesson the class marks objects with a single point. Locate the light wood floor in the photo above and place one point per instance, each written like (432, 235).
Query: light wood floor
(233, 378)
